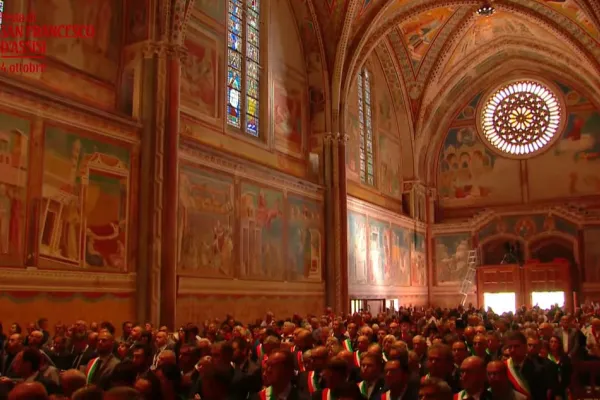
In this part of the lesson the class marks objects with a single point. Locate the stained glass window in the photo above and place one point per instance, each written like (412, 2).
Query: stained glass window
(521, 119)
(367, 172)
(243, 83)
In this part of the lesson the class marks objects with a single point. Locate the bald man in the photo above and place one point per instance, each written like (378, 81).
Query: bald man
(71, 381)
(28, 391)
(303, 341)
(353, 369)
(500, 386)
(472, 379)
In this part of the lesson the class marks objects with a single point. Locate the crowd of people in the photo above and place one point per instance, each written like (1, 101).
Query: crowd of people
(409, 354)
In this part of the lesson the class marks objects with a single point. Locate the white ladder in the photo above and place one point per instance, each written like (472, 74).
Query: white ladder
(470, 276)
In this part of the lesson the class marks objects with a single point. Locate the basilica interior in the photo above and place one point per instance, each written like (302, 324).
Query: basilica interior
(194, 158)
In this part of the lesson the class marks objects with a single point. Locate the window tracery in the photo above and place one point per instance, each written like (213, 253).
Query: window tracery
(367, 171)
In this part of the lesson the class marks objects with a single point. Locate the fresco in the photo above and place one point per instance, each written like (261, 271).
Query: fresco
(578, 154)
(390, 174)
(380, 260)
(357, 248)
(137, 21)
(85, 194)
(470, 109)
(385, 115)
(397, 245)
(591, 237)
(485, 30)
(420, 32)
(418, 259)
(205, 222)
(305, 240)
(526, 226)
(571, 9)
(97, 55)
(288, 116)
(451, 257)
(215, 9)
(571, 96)
(261, 243)
(199, 75)
(470, 174)
(14, 167)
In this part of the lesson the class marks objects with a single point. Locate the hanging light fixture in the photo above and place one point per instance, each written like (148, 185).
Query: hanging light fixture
(486, 9)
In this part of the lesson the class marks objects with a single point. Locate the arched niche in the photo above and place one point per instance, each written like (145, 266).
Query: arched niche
(493, 249)
(548, 248)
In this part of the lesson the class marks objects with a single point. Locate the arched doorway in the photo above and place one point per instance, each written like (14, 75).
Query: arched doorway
(493, 251)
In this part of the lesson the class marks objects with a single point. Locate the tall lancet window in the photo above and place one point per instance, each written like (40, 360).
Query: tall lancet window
(1, 12)
(243, 61)
(367, 171)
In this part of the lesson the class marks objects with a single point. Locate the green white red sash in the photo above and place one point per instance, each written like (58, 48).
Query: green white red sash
(384, 357)
(326, 395)
(267, 394)
(362, 386)
(553, 359)
(313, 382)
(387, 395)
(357, 358)
(259, 351)
(461, 395)
(347, 343)
(515, 378)
(92, 369)
(300, 360)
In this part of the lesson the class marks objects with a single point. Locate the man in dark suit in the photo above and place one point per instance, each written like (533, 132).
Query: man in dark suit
(310, 381)
(27, 365)
(397, 380)
(99, 369)
(568, 334)
(526, 376)
(472, 379)
(247, 374)
(371, 366)
(279, 374)
(335, 375)
(13, 347)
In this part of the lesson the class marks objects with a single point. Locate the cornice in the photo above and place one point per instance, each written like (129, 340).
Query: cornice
(242, 169)
(22, 97)
(400, 220)
(33, 279)
(376, 291)
(194, 285)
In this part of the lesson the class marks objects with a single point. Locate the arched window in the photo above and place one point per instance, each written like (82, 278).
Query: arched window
(367, 170)
(243, 61)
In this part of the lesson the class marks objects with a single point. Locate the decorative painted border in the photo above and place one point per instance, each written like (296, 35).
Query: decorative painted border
(400, 220)
(33, 279)
(240, 287)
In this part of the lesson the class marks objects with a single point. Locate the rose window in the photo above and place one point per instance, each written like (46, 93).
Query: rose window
(521, 119)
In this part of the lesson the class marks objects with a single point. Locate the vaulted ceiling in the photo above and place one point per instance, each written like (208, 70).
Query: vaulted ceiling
(442, 52)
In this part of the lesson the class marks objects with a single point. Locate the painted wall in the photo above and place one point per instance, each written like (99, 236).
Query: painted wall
(470, 175)
(241, 227)
(386, 255)
(68, 194)
(289, 107)
(389, 124)
(85, 69)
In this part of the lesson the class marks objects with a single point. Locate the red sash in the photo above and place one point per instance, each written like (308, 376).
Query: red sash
(518, 383)
(326, 394)
(312, 383)
(259, 351)
(300, 360)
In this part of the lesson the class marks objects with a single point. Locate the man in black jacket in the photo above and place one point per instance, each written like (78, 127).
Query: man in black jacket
(526, 376)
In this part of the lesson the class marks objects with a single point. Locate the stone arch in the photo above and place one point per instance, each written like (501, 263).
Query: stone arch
(548, 246)
(461, 89)
(492, 249)
(551, 19)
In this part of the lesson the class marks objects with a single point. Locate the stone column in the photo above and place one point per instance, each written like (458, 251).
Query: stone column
(429, 245)
(168, 273)
(334, 148)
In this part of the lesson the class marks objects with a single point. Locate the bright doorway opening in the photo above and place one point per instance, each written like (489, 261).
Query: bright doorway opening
(500, 303)
(545, 300)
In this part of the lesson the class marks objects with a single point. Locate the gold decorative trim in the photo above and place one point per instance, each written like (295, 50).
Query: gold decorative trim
(192, 285)
(33, 279)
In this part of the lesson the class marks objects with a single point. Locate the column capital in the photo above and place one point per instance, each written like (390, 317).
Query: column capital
(337, 137)
(164, 49)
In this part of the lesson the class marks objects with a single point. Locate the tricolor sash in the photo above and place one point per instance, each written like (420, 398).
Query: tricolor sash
(387, 395)
(259, 351)
(357, 358)
(347, 343)
(267, 394)
(553, 359)
(326, 395)
(313, 382)
(515, 378)
(263, 362)
(461, 395)
(300, 360)
(384, 357)
(91, 370)
(362, 386)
